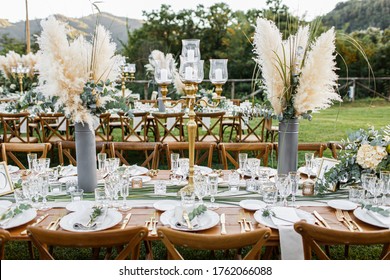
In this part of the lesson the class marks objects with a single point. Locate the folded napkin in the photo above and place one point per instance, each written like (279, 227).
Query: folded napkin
(291, 245)
(68, 170)
(380, 218)
(179, 221)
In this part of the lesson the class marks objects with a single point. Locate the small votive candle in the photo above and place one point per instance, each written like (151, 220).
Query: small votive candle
(136, 183)
(77, 195)
(308, 188)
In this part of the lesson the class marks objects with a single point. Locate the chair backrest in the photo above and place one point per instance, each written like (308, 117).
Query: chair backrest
(198, 241)
(67, 149)
(4, 238)
(313, 236)
(55, 127)
(335, 147)
(151, 152)
(129, 237)
(165, 131)
(15, 126)
(102, 132)
(209, 126)
(230, 151)
(317, 148)
(251, 128)
(8, 151)
(203, 151)
(134, 127)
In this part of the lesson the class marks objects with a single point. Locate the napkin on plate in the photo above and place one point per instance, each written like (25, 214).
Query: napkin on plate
(179, 220)
(68, 170)
(380, 218)
(291, 245)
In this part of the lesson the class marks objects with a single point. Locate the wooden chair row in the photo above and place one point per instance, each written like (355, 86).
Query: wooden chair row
(204, 151)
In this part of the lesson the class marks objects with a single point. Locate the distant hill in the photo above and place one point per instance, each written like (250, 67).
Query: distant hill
(359, 15)
(84, 25)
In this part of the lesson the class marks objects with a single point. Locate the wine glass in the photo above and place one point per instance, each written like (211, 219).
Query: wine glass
(283, 186)
(200, 185)
(253, 164)
(124, 190)
(213, 189)
(385, 176)
(368, 181)
(184, 164)
(294, 181)
(309, 157)
(174, 166)
(242, 161)
(376, 189)
(43, 182)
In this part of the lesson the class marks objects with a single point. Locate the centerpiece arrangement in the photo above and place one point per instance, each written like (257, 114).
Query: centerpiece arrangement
(299, 77)
(78, 72)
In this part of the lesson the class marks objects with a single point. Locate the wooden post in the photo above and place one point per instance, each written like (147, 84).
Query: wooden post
(28, 40)
(146, 91)
(232, 90)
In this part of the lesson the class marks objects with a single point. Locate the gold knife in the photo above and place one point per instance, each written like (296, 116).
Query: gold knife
(352, 222)
(126, 220)
(40, 219)
(223, 228)
(54, 224)
(319, 217)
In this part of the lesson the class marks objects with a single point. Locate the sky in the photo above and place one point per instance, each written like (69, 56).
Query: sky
(14, 10)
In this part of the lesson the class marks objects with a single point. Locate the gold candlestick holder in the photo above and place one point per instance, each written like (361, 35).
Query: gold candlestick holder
(20, 71)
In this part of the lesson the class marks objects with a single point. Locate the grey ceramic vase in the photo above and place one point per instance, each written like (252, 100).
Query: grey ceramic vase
(288, 146)
(85, 157)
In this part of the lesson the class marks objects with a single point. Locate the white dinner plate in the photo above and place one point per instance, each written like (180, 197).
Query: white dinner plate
(267, 221)
(112, 218)
(252, 204)
(21, 219)
(66, 179)
(362, 215)
(207, 220)
(342, 204)
(165, 205)
(204, 170)
(145, 179)
(12, 168)
(82, 205)
(135, 170)
(5, 204)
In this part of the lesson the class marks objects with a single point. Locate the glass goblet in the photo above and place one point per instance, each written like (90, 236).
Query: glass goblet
(213, 189)
(283, 186)
(294, 181)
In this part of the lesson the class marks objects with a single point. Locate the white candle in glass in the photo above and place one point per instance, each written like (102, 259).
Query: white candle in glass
(218, 74)
(188, 73)
(164, 75)
(190, 55)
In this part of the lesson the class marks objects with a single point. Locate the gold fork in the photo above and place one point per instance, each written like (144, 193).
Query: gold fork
(242, 217)
(340, 218)
(249, 221)
(352, 222)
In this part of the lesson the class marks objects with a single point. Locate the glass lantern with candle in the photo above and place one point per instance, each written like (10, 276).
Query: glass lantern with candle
(190, 49)
(218, 74)
(163, 75)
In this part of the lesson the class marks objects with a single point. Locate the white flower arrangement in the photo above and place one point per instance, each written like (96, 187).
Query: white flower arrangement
(78, 72)
(370, 156)
(298, 73)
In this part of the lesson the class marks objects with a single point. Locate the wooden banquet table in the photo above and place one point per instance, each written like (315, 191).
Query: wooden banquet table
(141, 213)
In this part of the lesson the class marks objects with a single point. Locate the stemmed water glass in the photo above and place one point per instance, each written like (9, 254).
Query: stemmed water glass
(174, 166)
(184, 165)
(368, 183)
(213, 189)
(284, 187)
(294, 181)
(253, 165)
(385, 176)
(124, 189)
(43, 181)
(200, 185)
(242, 161)
(309, 158)
(376, 189)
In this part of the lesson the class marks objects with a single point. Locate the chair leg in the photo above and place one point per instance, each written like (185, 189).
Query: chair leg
(148, 250)
(30, 249)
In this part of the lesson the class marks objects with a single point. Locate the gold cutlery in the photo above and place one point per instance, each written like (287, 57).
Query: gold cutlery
(318, 222)
(242, 217)
(250, 224)
(126, 220)
(340, 218)
(223, 221)
(187, 219)
(40, 219)
(352, 222)
(54, 224)
(154, 228)
(322, 220)
(149, 223)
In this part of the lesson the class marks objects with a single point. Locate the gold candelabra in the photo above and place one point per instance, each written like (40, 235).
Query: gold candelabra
(127, 73)
(20, 71)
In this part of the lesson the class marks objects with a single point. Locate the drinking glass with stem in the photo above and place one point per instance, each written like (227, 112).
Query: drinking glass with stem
(294, 181)
(124, 190)
(385, 176)
(43, 181)
(309, 158)
(174, 166)
(242, 163)
(200, 186)
(213, 190)
(284, 187)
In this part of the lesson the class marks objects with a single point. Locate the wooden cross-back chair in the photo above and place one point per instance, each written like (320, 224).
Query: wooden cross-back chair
(133, 130)
(8, 151)
(230, 151)
(67, 150)
(102, 132)
(314, 237)
(151, 150)
(335, 148)
(317, 148)
(128, 239)
(4, 238)
(173, 239)
(166, 134)
(203, 151)
(251, 129)
(213, 130)
(55, 127)
(13, 126)
(270, 130)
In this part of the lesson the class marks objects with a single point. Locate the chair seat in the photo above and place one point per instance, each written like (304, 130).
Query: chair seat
(170, 139)
(55, 139)
(209, 138)
(133, 138)
(99, 138)
(251, 138)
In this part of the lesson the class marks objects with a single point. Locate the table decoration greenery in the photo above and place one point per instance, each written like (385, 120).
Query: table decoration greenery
(197, 211)
(12, 212)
